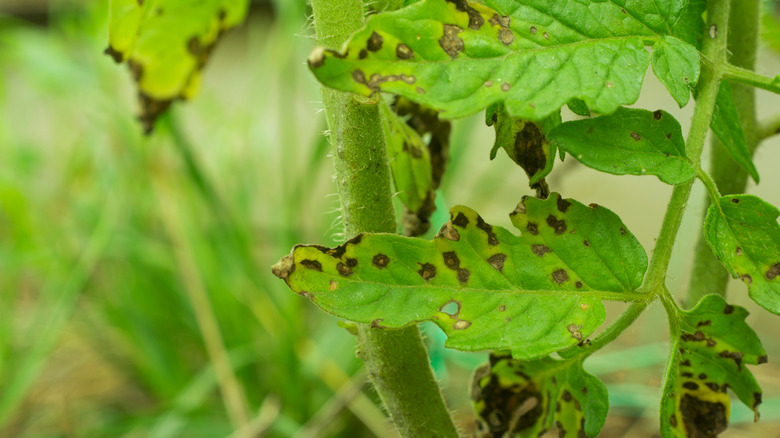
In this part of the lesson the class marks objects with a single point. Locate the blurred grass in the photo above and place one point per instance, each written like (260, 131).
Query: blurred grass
(136, 298)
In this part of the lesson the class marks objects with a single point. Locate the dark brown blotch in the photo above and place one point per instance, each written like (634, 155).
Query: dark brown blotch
(451, 260)
(359, 76)
(693, 386)
(450, 42)
(312, 264)
(622, 231)
(736, 356)
(687, 375)
(560, 276)
(578, 285)
(374, 42)
(497, 261)
(506, 36)
(728, 310)
(427, 271)
(657, 115)
(460, 220)
(673, 420)
(352, 262)
(702, 418)
(532, 228)
(735, 200)
(714, 387)
(343, 269)
(636, 136)
(685, 363)
(540, 250)
(463, 275)
(704, 323)
(375, 323)
(363, 54)
(773, 272)
(381, 261)
(488, 229)
(762, 359)
(756, 399)
(562, 204)
(566, 395)
(586, 243)
(558, 225)
(402, 51)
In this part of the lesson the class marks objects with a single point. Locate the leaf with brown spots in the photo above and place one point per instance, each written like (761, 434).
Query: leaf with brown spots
(677, 66)
(743, 232)
(534, 56)
(629, 142)
(526, 398)
(523, 293)
(710, 353)
(166, 43)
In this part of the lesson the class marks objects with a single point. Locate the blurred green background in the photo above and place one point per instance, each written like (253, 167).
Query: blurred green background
(136, 298)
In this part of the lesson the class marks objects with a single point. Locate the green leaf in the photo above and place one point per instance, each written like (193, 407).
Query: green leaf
(409, 160)
(709, 355)
(485, 287)
(578, 107)
(459, 58)
(689, 26)
(525, 142)
(166, 43)
(513, 397)
(630, 141)
(676, 64)
(726, 126)
(770, 23)
(743, 232)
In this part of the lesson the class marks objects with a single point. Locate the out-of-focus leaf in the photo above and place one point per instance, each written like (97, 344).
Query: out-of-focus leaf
(770, 23)
(743, 232)
(166, 43)
(630, 141)
(485, 287)
(726, 126)
(676, 64)
(525, 398)
(714, 345)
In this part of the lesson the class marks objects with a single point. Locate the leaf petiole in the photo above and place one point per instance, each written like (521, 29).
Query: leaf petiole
(748, 77)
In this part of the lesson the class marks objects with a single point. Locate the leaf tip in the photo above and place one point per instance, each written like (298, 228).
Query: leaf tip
(316, 58)
(284, 267)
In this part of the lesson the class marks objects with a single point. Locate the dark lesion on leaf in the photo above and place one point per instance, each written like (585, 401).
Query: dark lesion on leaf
(344, 270)
(497, 261)
(374, 42)
(540, 250)
(381, 261)
(558, 225)
(463, 275)
(450, 42)
(658, 114)
(427, 271)
(402, 51)
(532, 228)
(773, 272)
(560, 276)
(116, 55)
(488, 229)
(451, 260)
(475, 18)
(506, 410)
(703, 418)
(736, 356)
(562, 204)
(448, 232)
(460, 220)
(314, 265)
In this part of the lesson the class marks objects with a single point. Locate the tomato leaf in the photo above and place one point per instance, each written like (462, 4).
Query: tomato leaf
(166, 43)
(485, 287)
(743, 232)
(710, 353)
(630, 141)
(676, 64)
(513, 397)
(726, 126)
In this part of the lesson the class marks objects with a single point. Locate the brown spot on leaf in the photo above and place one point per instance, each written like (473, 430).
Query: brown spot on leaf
(540, 250)
(657, 115)
(546, 36)
(673, 420)
(773, 272)
(762, 359)
(693, 386)
(738, 251)
(114, 54)
(402, 51)
(736, 356)
(450, 42)
(333, 285)
(363, 54)
(702, 418)
(586, 243)
(579, 286)
(622, 231)
(420, 90)
(461, 324)
(685, 363)
(284, 268)
(566, 395)
(451, 260)
(702, 376)
(728, 310)
(497, 261)
(312, 264)
(562, 204)
(735, 200)
(532, 228)
(558, 225)
(506, 36)
(687, 375)
(506, 86)
(488, 229)
(756, 399)
(352, 263)
(463, 275)
(449, 232)
(502, 308)
(636, 136)
(374, 42)
(461, 220)
(703, 323)
(306, 294)
(560, 276)
(533, 30)
(343, 269)
(359, 77)
(375, 323)
(381, 261)
(427, 271)
(712, 386)
(574, 329)
(408, 79)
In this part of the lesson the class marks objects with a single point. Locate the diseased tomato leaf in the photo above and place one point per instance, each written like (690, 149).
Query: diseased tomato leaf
(485, 287)
(526, 398)
(743, 232)
(630, 141)
(166, 43)
(710, 355)
(676, 64)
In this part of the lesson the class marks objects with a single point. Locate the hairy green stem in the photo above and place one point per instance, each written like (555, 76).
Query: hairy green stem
(714, 49)
(708, 275)
(749, 77)
(396, 360)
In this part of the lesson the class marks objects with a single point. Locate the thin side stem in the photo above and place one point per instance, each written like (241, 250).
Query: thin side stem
(396, 360)
(706, 94)
(728, 177)
(615, 329)
(749, 77)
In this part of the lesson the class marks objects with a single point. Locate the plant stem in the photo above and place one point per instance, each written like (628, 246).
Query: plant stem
(749, 77)
(714, 49)
(768, 128)
(708, 275)
(396, 360)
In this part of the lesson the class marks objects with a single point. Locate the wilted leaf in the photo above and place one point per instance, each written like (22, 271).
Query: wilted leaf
(676, 64)
(519, 398)
(630, 141)
(485, 287)
(743, 232)
(714, 345)
(726, 126)
(166, 43)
